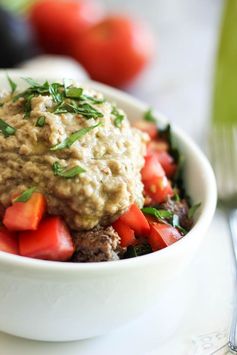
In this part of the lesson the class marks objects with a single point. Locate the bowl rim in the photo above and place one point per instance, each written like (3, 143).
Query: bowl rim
(206, 215)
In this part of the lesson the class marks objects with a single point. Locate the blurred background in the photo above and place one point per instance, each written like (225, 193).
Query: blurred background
(169, 63)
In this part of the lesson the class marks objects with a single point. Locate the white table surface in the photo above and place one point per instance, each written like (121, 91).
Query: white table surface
(194, 318)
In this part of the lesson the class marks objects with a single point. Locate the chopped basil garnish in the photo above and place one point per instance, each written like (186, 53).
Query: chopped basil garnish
(61, 108)
(175, 223)
(149, 117)
(67, 174)
(6, 129)
(12, 84)
(26, 195)
(159, 214)
(40, 121)
(56, 93)
(176, 197)
(118, 117)
(54, 89)
(93, 99)
(68, 98)
(83, 109)
(118, 120)
(73, 92)
(27, 105)
(166, 134)
(163, 215)
(74, 137)
(86, 110)
(193, 209)
(31, 82)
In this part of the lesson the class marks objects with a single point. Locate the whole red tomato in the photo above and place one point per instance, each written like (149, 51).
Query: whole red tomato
(58, 22)
(115, 50)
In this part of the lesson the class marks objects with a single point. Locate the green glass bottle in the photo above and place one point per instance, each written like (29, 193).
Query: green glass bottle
(18, 6)
(224, 106)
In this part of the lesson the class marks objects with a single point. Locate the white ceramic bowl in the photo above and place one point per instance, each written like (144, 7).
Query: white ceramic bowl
(56, 301)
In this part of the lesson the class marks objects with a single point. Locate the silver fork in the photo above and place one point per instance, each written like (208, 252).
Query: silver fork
(223, 154)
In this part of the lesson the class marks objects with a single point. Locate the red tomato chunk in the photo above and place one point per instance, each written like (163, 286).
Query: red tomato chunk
(148, 127)
(156, 184)
(8, 241)
(136, 220)
(126, 234)
(25, 215)
(167, 163)
(131, 223)
(51, 241)
(162, 235)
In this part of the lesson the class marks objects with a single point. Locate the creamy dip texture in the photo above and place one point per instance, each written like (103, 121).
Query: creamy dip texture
(110, 155)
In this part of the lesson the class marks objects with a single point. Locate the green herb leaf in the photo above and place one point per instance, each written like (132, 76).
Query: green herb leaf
(12, 84)
(56, 92)
(54, 89)
(175, 223)
(85, 110)
(61, 108)
(137, 250)
(26, 195)
(27, 105)
(6, 129)
(118, 120)
(159, 214)
(193, 209)
(40, 121)
(67, 174)
(31, 82)
(149, 117)
(176, 197)
(118, 117)
(74, 137)
(94, 100)
(73, 92)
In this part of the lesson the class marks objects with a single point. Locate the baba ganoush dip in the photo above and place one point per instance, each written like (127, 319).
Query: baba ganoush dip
(77, 148)
(79, 184)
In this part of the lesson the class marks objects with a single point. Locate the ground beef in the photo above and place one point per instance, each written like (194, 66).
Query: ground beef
(179, 208)
(98, 244)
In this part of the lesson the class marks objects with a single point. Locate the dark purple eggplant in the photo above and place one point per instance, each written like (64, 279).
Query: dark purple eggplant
(16, 40)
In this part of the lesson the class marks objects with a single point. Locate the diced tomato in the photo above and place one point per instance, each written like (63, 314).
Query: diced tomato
(135, 219)
(159, 148)
(156, 184)
(148, 127)
(158, 189)
(162, 235)
(126, 234)
(8, 241)
(25, 215)
(51, 241)
(152, 168)
(155, 146)
(167, 163)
